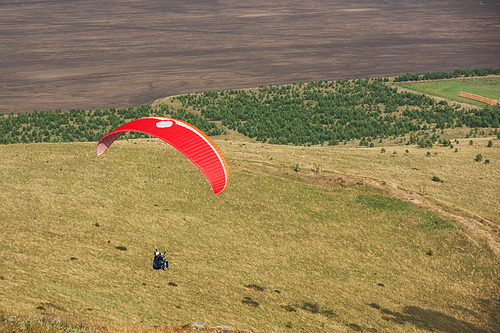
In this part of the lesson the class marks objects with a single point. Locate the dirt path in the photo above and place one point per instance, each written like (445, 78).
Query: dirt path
(482, 230)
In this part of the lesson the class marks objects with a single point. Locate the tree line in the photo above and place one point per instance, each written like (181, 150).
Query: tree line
(298, 114)
(438, 75)
(83, 126)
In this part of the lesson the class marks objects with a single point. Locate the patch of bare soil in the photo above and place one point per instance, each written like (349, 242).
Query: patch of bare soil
(59, 54)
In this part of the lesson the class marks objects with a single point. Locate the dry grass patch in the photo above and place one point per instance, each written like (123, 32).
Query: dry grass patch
(299, 240)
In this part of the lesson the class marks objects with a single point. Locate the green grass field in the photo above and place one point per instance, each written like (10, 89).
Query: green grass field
(486, 87)
(279, 251)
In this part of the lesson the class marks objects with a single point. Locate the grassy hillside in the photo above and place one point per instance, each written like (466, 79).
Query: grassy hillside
(279, 251)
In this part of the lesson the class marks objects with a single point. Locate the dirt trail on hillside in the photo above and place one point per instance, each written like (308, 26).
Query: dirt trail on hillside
(482, 230)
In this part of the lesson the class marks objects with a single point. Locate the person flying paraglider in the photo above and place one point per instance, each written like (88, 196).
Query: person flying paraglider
(159, 260)
(189, 141)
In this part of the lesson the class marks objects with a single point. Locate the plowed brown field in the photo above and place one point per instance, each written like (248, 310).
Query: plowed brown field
(118, 53)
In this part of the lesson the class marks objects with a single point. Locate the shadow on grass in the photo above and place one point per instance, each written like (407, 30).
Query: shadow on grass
(428, 320)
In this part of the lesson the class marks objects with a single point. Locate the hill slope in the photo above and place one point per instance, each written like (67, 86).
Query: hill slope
(317, 252)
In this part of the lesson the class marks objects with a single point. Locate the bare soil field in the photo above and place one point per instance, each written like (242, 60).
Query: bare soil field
(60, 54)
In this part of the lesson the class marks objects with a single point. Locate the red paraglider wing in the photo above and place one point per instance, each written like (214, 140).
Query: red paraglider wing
(187, 139)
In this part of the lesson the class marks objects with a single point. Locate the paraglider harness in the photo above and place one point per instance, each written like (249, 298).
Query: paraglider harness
(159, 261)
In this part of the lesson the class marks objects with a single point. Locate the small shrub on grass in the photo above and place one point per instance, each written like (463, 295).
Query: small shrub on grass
(490, 143)
(315, 308)
(382, 150)
(428, 153)
(121, 248)
(355, 327)
(486, 161)
(289, 324)
(311, 307)
(429, 253)
(425, 143)
(437, 179)
(456, 150)
(255, 287)
(328, 313)
(249, 301)
(289, 308)
(479, 158)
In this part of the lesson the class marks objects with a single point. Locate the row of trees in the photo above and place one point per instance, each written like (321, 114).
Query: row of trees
(299, 114)
(437, 75)
(81, 125)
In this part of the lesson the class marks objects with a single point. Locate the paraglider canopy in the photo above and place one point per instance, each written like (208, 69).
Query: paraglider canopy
(190, 141)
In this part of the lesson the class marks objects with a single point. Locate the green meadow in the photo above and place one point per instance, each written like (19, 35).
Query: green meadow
(486, 87)
(305, 239)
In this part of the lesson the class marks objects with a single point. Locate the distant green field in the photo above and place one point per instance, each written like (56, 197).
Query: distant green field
(488, 87)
